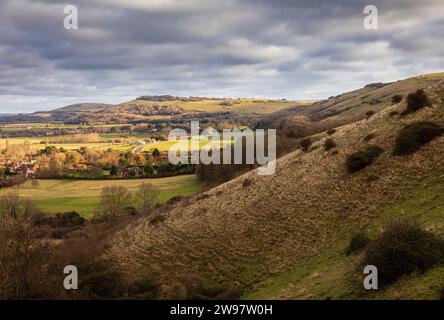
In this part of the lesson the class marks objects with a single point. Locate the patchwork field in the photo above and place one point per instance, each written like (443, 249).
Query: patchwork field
(83, 196)
(127, 143)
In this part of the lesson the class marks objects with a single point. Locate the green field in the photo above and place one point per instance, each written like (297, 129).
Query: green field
(83, 196)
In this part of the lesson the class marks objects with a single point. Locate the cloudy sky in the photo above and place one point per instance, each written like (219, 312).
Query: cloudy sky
(306, 49)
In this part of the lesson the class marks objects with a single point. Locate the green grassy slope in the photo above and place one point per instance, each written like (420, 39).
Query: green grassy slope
(332, 275)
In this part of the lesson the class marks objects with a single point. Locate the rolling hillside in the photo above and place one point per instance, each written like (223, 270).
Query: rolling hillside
(348, 107)
(149, 108)
(164, 107)
(63, 114)
(283, 236)
(83, 107)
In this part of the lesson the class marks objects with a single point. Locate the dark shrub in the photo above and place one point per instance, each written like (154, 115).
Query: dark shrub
(104, 285)
(305, 144)
(403, 248)
(331, 131)
(397, 98)
(393, 113)
(246, 182)
(175, 199)
(114, 171)
(361, 159)
(413, 136)
(63, 220)
(358, 242)
(158, 219)
(329, 144)
(72, 218)
(99, 281)
(369, 113)
(369, 137)
(156, 153)
(416, 101)
(130, 211)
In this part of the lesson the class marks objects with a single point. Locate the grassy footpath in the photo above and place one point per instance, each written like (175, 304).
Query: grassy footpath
(83, 196)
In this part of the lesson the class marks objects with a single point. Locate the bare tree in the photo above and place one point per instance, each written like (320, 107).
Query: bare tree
(147, 196)
(112, 203)
(23, 257)
(10, 206)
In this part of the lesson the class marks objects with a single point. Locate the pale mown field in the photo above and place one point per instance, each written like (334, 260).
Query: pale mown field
(83, 196)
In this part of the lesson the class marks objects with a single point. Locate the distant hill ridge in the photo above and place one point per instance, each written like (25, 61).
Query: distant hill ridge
(82, 107)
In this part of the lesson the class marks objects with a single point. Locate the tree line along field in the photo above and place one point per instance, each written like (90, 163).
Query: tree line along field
(83, 196)
(125, 143)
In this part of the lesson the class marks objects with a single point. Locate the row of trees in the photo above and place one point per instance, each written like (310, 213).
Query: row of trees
(77, 138)
(55, 162)
(115, 200)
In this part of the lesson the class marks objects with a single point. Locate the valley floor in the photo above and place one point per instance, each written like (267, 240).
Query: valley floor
(83, 196)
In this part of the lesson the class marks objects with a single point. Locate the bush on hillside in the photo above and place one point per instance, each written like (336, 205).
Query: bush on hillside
(305, 144)
(413, 136)
(416, 101)
(397, 98)
(331, 131)
(61, 220)
(393, 113)
(402, 249)
(361, 159)
(358, 242)
(175, 199)
(247, 182)
(329, 144)
(102, 283)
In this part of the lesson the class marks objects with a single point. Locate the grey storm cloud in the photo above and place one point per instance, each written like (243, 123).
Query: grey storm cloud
(306, 49)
